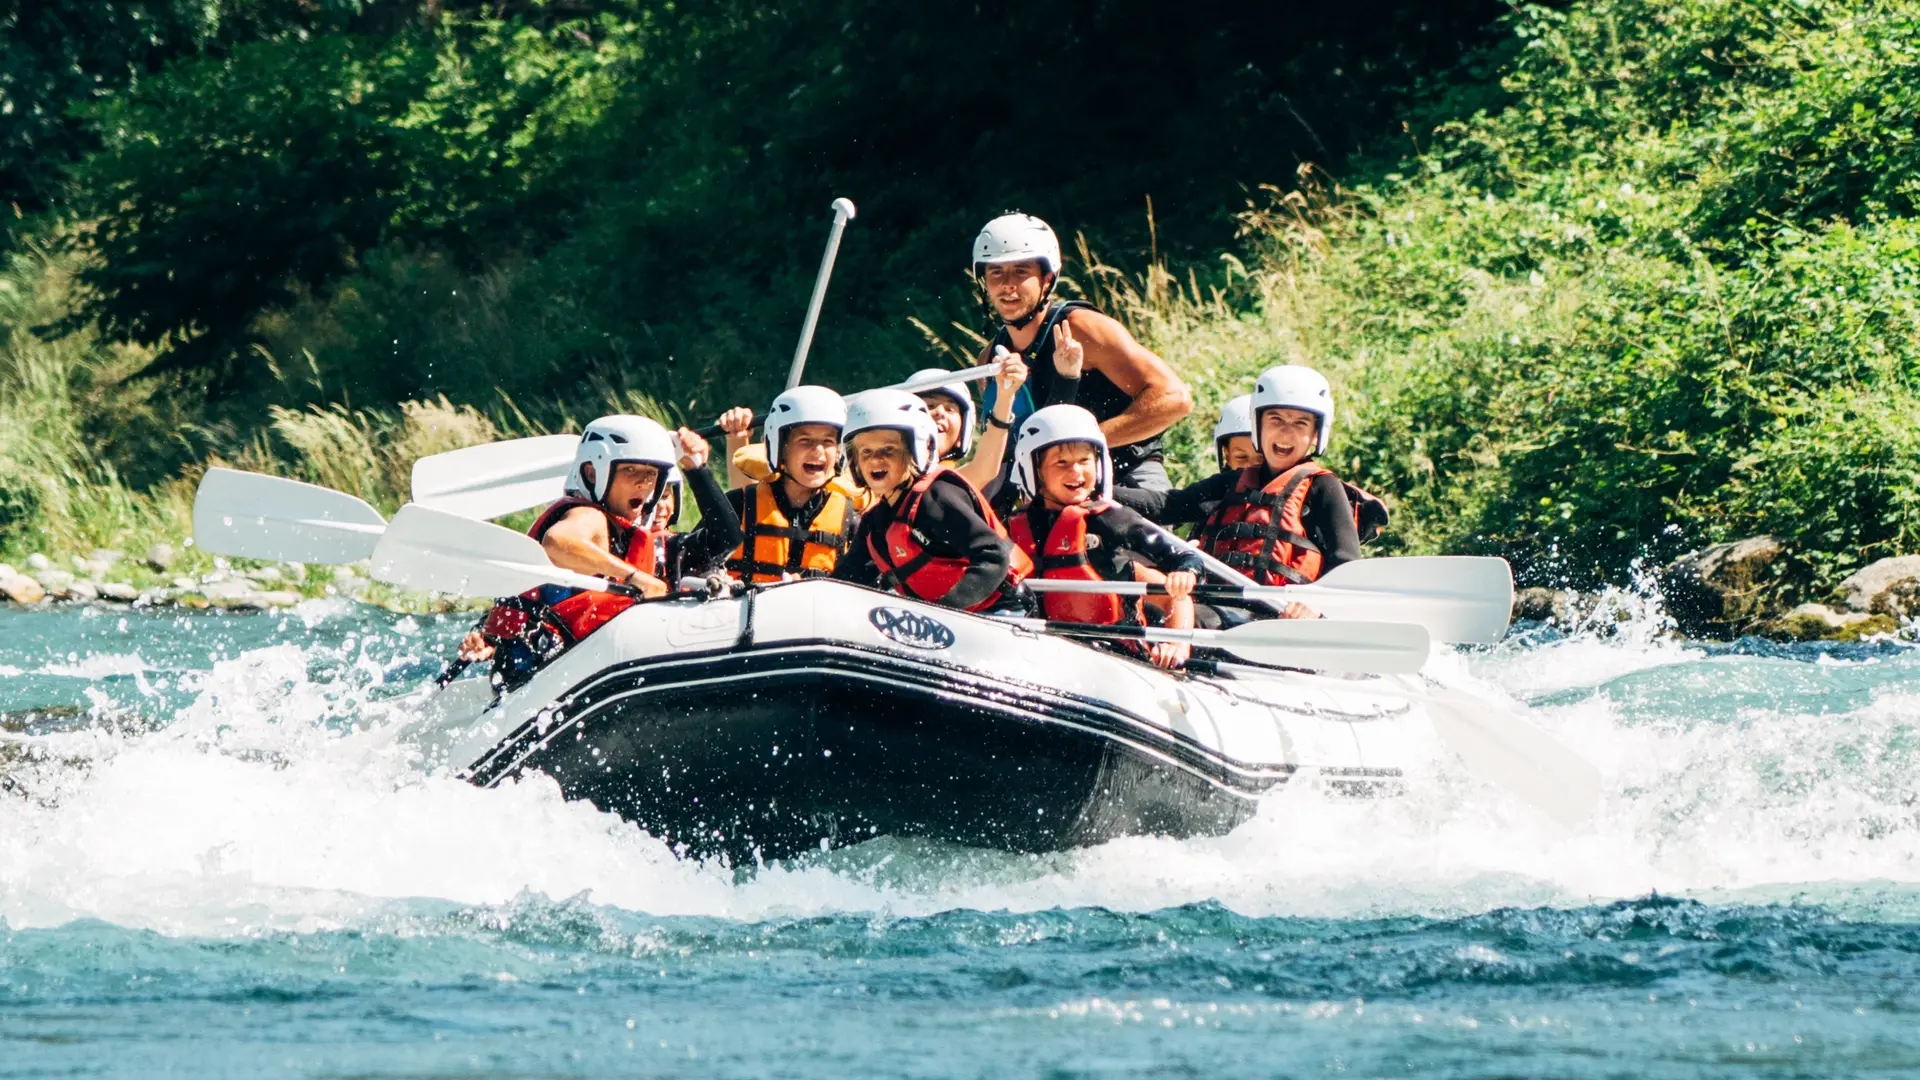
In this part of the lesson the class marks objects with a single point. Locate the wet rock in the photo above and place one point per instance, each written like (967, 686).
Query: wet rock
(37, 562)
(161, 557)
(119, 592)
(232, 593)
(183, 584)
(278, 598)
(1557, 606)
(1888, 587)
(1730, 589)
(83, 589)
(58, 583)
(346, 582)
(265, 575)
(20, 588)
(1818, 622)
(238, 601)
(296, 572)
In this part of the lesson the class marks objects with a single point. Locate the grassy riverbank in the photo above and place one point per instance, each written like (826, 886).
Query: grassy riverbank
(1642, 276)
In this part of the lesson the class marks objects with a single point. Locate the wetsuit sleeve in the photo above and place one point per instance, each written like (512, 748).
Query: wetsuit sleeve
(1181, 505)
(856, 565)
(952, 528)
(1329, 522)
(1126, 529)
(718, 533)
(1062, 390)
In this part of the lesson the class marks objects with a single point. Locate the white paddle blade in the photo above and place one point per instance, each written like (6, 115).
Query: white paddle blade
(254, 516)
(1458, 598)
(1506, 751)
(488, 481)
(1380, 648)
(436, 551)
(947, 378)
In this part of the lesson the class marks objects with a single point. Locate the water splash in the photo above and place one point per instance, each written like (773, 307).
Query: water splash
(232, 776)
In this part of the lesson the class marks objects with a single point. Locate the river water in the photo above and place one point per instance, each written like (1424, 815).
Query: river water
(218, 858)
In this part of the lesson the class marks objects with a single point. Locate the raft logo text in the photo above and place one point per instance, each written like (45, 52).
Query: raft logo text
(910, 628)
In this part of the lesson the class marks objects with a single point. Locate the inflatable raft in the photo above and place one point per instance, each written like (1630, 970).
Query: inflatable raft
(818, 714)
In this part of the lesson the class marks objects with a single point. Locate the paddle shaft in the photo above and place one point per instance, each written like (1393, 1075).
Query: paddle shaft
(1143, 588)
(842, 213)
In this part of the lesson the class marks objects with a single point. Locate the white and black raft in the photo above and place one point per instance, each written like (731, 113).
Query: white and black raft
(818, 714)
(772, 721)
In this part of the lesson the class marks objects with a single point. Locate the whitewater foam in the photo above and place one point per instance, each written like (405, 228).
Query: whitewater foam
(278, 792)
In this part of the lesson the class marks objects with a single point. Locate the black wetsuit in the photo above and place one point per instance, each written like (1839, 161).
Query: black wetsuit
(1093, 391)
(947, 526)
(690, 552)
(1327, 517)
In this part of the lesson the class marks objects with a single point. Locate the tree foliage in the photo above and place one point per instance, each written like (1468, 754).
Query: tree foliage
(654, 177)
(1666, 296)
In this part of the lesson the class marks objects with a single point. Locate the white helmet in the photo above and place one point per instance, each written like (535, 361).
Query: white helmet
(1052, 426)
(1236, 418)
(801, 405)
(962, 397)
(1012, 238)
(678, 485)
(612, 440)
(1291, 386)
(894, 410)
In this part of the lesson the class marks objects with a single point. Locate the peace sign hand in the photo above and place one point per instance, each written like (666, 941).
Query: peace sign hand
(1068, 354)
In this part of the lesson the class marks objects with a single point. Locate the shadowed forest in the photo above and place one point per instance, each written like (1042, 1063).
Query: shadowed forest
(1597, 282)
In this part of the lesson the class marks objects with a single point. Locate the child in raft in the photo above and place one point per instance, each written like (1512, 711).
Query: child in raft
(1072, 530)
(928, 533)
(1286, 519)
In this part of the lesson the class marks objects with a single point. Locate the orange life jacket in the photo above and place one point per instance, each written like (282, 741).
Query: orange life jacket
(585, 610)
(1064, 558)
(774, 547)
(1258, 531)
(907, 567)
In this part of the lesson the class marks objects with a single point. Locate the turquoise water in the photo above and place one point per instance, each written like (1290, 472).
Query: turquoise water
(223, 854)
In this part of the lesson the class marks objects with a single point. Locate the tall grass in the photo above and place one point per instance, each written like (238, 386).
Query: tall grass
(76, 423)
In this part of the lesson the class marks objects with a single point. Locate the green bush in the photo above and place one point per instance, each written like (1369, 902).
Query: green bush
(1560, 344)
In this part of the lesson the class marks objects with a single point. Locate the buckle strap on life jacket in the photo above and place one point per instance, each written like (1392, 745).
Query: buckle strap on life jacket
(1071, 560)
(896, 577)
(1256, 564)
(1241, 530)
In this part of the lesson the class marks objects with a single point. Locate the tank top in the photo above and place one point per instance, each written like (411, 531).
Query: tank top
(1097, 394)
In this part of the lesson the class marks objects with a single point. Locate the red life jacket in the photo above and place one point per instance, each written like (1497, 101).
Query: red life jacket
(1064, 558)
(1258, 531)
(587, 610)
(907, 567)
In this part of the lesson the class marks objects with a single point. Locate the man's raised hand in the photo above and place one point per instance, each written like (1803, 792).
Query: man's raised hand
(1068, 354)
